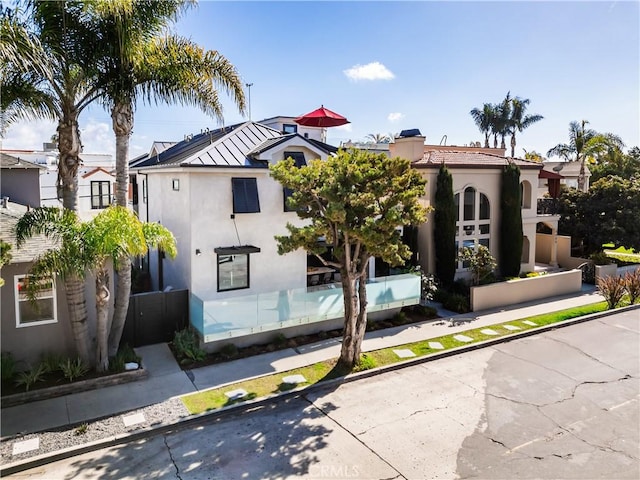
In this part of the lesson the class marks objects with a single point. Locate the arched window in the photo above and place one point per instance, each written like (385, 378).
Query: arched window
(525, 194)
(473, 220)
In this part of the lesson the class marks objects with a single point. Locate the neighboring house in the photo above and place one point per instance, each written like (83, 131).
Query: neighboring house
(28, 332)
(570, 171)
(477, 175)
(20, 180)
(92, 189)
(214, 192)
(287, 125)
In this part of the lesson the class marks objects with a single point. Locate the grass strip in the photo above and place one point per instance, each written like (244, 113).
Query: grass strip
(272, 384)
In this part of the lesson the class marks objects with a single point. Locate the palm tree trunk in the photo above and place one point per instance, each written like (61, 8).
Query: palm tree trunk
(102, 319)
(78, 317)
(513, 144)
(123, 291)
(122, 118)
(581, 177)
(486, 140)
(69, 148)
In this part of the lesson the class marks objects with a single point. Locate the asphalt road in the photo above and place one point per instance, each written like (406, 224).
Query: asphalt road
(558, 405)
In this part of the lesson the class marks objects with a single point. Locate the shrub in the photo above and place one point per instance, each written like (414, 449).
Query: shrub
(481, 262)
(456, 303)
(612, 289)
(400, 318)
(29, 378)
(228, 351)
(73, 369)
(81, 429)
(279, 340)
(632, 285)
(52, 361)
(187, 346)
(600, 258)
(125, 355)
(8, 366)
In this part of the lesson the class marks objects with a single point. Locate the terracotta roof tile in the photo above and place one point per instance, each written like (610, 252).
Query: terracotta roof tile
(457, 159)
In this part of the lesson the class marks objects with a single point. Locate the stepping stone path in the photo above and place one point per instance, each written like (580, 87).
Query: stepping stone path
(463, 338)
(436, 346)
(529, 322)
(236, 394)
(26, 446)
(488, 331)
(511, 327)
(134, 419)
(404, 353)
(294, 379)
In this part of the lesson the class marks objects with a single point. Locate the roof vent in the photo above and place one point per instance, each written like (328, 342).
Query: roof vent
(413, 132)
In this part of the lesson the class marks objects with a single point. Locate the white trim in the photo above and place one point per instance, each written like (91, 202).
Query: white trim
(17, 301)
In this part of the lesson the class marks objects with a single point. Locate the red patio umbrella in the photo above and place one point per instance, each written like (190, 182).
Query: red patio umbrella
(321, 117)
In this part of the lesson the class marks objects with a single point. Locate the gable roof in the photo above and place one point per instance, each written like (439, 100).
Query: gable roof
(96, 170)
(453, 159)
(33, 247)
(9, 161)
(273, 142)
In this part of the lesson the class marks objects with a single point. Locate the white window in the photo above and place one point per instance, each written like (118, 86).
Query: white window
(39, 312)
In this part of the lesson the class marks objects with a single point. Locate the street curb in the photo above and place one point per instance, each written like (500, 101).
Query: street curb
(244, 407)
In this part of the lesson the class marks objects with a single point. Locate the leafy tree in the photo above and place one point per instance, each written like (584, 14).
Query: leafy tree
(444, 231)
(511, 235)
(356, 200)
(584, 144)
(519, 120)
(481, 262)
(607, 212)
(141, 62)
(616, 162)
(484, 119)
(533, 156)
(87, 247)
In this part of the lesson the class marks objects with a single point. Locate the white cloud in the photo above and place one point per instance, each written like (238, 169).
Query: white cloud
(370, 71)
(395, 116)
(28, 135)
(97, 137)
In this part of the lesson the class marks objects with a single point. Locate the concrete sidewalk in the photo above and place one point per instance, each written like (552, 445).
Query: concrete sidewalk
(166, 380)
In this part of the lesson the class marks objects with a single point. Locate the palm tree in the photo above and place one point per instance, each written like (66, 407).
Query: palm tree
(88, 247)
(484, 118)
(501, 121)
(378, 138)
(518, 119)
(584, 144)
(47, 74)
(141, 63)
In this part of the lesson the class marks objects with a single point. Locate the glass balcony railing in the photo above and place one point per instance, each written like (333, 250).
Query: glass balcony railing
(249, 314)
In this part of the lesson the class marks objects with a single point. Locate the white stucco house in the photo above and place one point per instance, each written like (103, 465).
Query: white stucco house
(214, 192)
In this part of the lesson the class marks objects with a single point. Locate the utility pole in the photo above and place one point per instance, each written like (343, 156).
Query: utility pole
(249, 85)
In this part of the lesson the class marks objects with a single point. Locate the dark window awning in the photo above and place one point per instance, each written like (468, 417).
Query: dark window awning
(238, 250)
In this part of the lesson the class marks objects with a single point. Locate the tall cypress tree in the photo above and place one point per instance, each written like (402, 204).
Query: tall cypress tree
(444, 231)
(511, 236)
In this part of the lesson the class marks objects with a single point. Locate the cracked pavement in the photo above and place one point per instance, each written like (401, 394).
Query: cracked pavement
(558, 405)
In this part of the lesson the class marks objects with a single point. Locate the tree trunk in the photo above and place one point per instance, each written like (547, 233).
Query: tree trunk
(122, 121)
(78, 318)
(581, 177)
(122, 117)
(513, 144)
(495, 140)
(502, 144)
(349, 354)
(486, 140)
(123, 291)
(69, 148)
(102, 319)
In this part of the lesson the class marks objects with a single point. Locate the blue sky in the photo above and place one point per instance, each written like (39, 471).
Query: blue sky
(389, 66)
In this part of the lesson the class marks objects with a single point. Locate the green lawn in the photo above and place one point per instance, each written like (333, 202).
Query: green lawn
(272, 384)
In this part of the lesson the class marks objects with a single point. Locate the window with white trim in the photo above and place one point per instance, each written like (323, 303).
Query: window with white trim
(100, 194)
(473, 219)
(42, 309)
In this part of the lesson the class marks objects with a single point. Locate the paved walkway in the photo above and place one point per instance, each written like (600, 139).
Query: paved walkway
(166, 380)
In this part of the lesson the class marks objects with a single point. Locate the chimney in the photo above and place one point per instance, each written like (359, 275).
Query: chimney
(409, 144)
